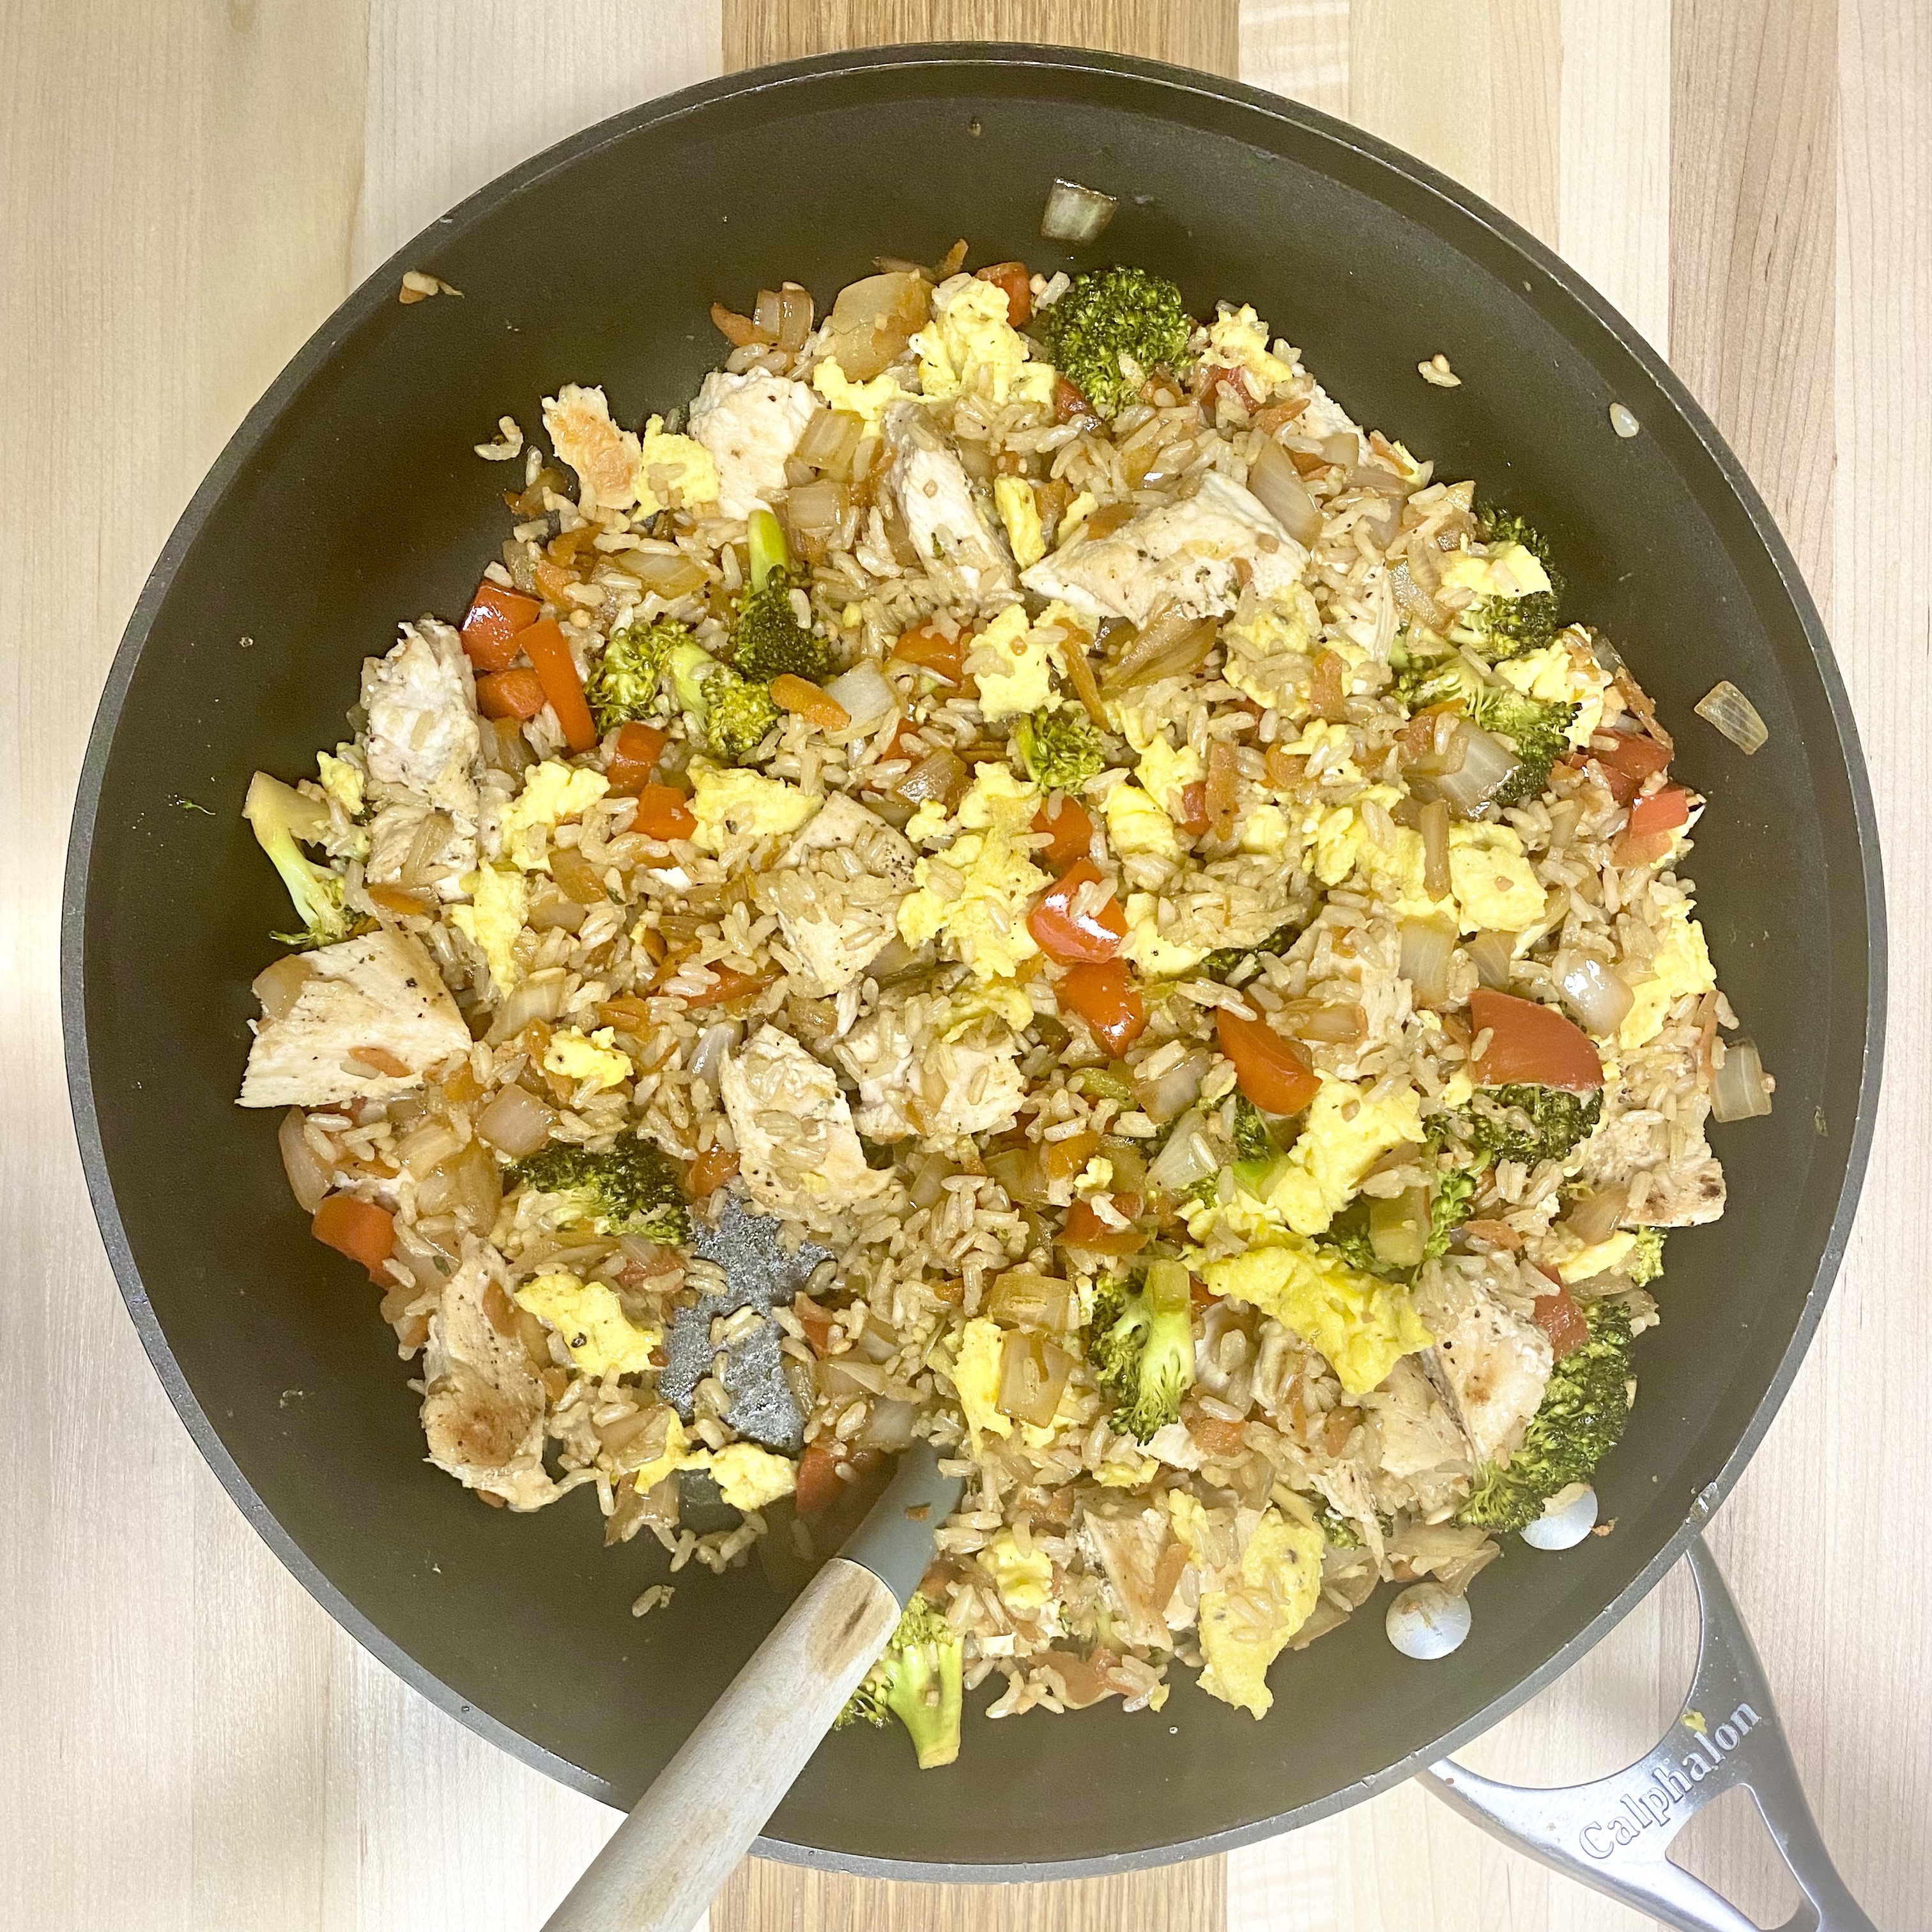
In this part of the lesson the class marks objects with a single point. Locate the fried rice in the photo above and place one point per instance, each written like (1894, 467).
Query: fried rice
(1242, 1018)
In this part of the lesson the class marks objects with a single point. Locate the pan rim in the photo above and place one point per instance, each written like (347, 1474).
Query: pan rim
(964, 58)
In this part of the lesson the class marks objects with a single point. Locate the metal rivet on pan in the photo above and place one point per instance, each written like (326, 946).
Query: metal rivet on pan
(1563, 1528)
(1427, 1622)
(1622, 421)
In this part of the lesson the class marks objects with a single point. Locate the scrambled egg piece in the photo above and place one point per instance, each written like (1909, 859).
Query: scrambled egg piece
(602, 1339)
(1136, 825)
(1265, 830)
(1562, 672)
(1332, 745)
(1267, 642)
(1681, 964)
(341, 781)
(1127, 1475)
(748, 1477)
(931, 821)
(977, 891)
(975, 1371)
(1013, 662)
(574, 1055)
(680, 466)
(1019, 510)
(1490, 879)
(499, 902)
(1363, 1326)
(552, 792)
(969, 344)
(1076, 514)
(1582, 1263)
(604, 457)
(1156, 958)
(736, 804)
(1279, 1575)
(653, 1473)
(1509, 570)
(868, 401)
(1025, 1583)
(1343, 1134)
(1238, 339)
(1164, 773)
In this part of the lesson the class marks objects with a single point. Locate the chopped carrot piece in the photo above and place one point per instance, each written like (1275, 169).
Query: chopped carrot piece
(1531, 1044)
(1012, 281)
(1103, 994)
(1275, 1073)
(816, 706)
(709, 1171)
(359, 1229)
(495, 616)
(729, 984)
(1559, 1318)
(1070, 829)
(818, 1483)
(553, 580)
(544, 646)
(1067, 936)
(516, 693)
(931, 650)
(664, 812)
(633, 756)
(1654, 818)
(1085, 1229)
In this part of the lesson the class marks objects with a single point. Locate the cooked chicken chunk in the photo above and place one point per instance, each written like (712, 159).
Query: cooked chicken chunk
(483, 1405)
(1666, 1161)
(1128, 1544)
(750, 423)
(422, 703)
(372, 1017)
(965, 1080)
(1191, 555)
(1418, 1433)
(943, 518)
(798, 1152)
(1495, 1361)
(604, 457)
(837, 891)
(413, 845)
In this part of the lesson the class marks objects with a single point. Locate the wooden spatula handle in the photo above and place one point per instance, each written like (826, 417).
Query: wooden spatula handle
(665, 1862)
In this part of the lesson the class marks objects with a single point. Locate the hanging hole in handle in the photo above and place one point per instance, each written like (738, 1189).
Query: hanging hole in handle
(1730, 1846)
(1608, 1709)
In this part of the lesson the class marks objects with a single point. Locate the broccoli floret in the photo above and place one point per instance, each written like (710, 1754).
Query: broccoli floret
(1225, 962)
(1446, 679)
(1540, 731)
(917, 1681)
(1107, 314)
(1584, 1407)
(1348, 1235)
(1448, 1209)
(1060, 749)
(767, 640)
(626, 681)
(1557, 1121)
(1645, 1262)
(632, 1190)
(1336, 1528)
(1140, 1347)
(281, 817)
(1252, 1139)
(1506, 627)
(732, 714)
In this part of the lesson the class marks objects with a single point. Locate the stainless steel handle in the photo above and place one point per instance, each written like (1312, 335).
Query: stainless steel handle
(1614, 1834)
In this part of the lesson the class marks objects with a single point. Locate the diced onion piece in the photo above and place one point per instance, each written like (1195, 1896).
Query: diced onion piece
(814, 508)
(1177, 1089)
(873, 320)
(1185, 1159)
(1033, 1372)
(279, 986)
(1327, 1022)
(1597, 993)
(538, 997)
(940, 774)
(1278, 483)
(1341, 448)
(889, 1427)
(830, 438)
(1727, 708)
(929, 1174)
(309, 1179)
(1172, 644)
(864, 694)
(712, 1046)
(1021, 1172)
(1075, 214)
(1486, 764)
(516, 1123)
(427, 1147)
(577, 876)
(466, 1185)
(1399, 1228)
(1428, 956)
(1434, 824)
(1024, 1298)
(794, 317)
(1594, 1217)
(1492, 954)
(1740, 1092)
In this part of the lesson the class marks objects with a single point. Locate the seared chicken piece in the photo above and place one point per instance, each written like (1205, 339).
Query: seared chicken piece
(837, 891)
(1191, 555)
(966, 1080)
(370, 1019)
(1495, 1361)
(413, 845)
(422, 703)
(798, 1152)
(943, 517)
(1128, 1544)
(483, 1404)
(751, 424)
(604, 457)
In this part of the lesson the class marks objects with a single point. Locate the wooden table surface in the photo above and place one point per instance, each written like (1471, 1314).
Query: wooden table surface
(190, 1746)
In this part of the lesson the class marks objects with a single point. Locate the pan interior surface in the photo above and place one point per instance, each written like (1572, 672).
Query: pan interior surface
(351, 498)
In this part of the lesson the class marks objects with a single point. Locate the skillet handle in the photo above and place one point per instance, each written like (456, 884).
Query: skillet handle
(1614, 1834)
(661, 1866)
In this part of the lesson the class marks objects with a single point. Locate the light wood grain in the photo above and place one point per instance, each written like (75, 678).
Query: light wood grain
(184, 194)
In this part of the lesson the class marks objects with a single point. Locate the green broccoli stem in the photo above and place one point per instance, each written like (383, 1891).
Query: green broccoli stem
(280, 816)
(927, 1697)
(1142, 1350)
(767, 546)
